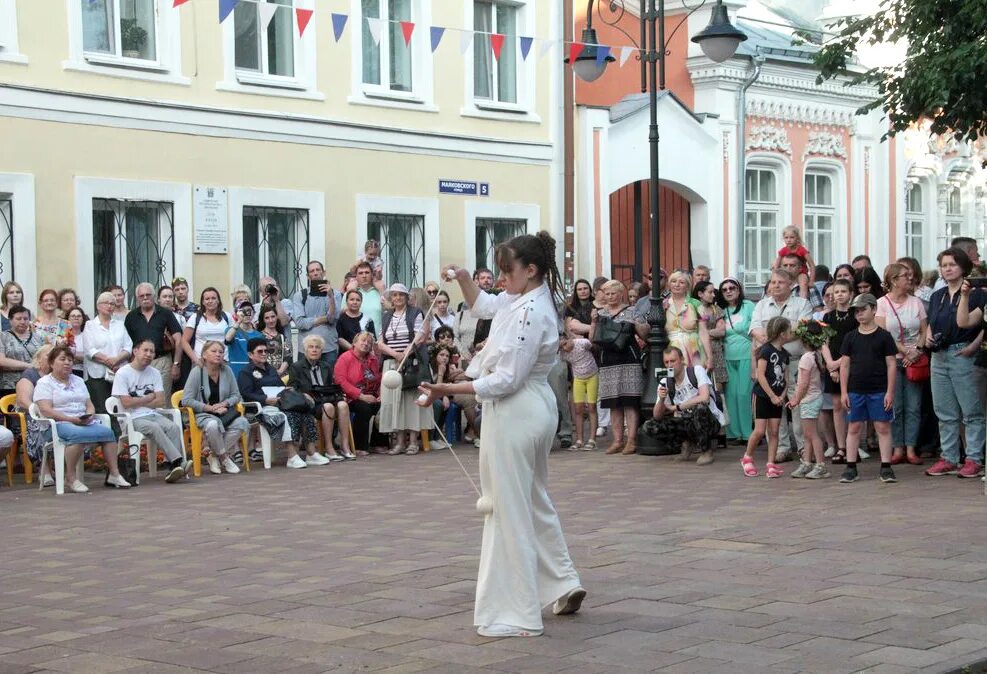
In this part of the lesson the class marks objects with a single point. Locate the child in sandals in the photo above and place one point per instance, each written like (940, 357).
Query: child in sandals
(769, 395)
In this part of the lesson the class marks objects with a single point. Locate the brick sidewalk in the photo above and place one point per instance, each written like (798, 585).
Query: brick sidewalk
(370, 566)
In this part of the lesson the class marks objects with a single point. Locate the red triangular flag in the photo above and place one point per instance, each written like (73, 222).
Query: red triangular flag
(303, 16)
(496, 43)
(575, 49)
(407, 28)
(178, 3)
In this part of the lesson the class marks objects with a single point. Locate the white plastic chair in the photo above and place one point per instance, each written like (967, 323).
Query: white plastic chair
(265, 436)
(135, 437)
(58, 448)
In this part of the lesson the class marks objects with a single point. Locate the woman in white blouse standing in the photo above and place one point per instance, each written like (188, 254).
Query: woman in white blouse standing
(524, 561)
(107, 347)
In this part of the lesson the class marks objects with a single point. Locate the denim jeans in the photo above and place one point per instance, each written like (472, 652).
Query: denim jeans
(958, 396)
(907, 411)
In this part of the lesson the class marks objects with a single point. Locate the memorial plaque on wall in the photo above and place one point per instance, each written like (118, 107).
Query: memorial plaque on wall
(211, 235)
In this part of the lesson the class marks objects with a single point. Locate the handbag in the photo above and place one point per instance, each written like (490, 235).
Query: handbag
(611, 335)
(920, 370)
(415, 372)
(229, 416)
(290, 400)
(332, 394)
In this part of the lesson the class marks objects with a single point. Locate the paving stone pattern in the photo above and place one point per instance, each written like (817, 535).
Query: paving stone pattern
(369, 566)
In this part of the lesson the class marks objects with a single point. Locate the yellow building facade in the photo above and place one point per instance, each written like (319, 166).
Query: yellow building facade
(142, 141)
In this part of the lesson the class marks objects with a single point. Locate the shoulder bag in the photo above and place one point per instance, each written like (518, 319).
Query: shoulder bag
(612, 335)
(290, 400)
(920, 370)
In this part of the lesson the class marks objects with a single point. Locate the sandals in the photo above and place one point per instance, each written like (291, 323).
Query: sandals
(616, 447)
(839, 457)
(774, 470)
(750, 470)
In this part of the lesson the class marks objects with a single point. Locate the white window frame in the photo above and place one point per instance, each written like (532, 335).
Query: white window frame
(429, 208)
(19, 187)
(783, 175)
(954, 219)
(87, 189)
(474, 210)
(422, 94)
(524, 109)
(166, 68)
(813, 210)
(313, 202)
(9, 48)
(912, 217)
(302, 85)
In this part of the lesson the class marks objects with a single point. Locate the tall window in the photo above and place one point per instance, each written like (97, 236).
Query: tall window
(270, 51)
(953, 223)
(388, 64)
(915, 219)
(6, 239)
(490, 233)
(133, 242)
(820, 212)
(495, 80)
(762, 213)
(275, 243)
(124, 28)
(402, 246)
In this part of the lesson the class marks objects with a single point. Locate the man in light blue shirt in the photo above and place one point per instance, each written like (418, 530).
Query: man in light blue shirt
(315, 309)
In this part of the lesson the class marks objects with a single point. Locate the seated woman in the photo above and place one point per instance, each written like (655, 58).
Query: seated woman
(357, 372)
(313, 376)
(17, 347)
(38, 432)
(686, 412)
(444, 371)
(212, 395)
(252, 380)
(63, 397)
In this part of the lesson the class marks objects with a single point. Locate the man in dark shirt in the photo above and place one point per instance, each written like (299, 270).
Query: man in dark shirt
(152, 321)
(867, 378)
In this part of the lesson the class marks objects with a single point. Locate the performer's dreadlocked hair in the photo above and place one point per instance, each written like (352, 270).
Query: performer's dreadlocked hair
(539, 250)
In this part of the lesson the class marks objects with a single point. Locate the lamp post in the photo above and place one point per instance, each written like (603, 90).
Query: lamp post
(719, 41)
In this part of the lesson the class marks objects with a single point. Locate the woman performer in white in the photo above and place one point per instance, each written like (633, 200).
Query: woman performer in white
(524, 561)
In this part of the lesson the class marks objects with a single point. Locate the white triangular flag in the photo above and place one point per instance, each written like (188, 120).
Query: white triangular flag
(546, 46)
(376, 27)
(267, 11)
(465, 41)
(625, 53)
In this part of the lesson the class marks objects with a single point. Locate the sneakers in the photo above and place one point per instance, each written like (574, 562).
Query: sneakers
(349, 456)
(334, 457)
(570, 602)
(774, 470)
(116, 481)
(589, 445)
(175, 474)
(497, 630)
(818, 472)
(849, 475)
(830, 452)
(316, 459)
(970, 469)
(78, 487)
(942, 467)
(228, 465)
(214, 466)
(803, 470)
(887, 474)
(296, 462)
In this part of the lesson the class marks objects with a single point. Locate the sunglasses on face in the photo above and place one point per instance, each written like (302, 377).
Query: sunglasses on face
(726, 288)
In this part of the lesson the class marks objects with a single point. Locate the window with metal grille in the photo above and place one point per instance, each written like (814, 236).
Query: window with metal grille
(266, 50)
(495, 79)
(275, 243)
(819, 217)
(490, 233)
(402, 246)
(6, 239)
(761, 215)
(915, 219)
(133, 242)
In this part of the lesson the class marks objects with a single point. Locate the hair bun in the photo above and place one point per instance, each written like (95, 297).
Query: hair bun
(547, 242)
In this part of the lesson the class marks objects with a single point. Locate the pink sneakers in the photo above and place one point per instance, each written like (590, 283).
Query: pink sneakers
(971, 469)
(941, 467)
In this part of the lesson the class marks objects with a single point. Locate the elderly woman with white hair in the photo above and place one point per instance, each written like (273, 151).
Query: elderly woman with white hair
(313, 376)
(106, 347)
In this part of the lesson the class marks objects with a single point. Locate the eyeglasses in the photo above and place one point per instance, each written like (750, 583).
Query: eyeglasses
(729, 287)
(263, 351)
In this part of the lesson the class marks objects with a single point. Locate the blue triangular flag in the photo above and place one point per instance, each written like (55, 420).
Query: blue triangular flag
(437, 33)
(602, 52)
(225, 7)
(526, 43)
(338, 24)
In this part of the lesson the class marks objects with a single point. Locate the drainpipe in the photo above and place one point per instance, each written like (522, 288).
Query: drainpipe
(757, 61)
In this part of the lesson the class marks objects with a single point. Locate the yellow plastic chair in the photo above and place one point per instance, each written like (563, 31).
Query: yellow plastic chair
(194, 435)
(17, 423)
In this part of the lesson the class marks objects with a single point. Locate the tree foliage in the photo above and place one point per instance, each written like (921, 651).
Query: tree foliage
(943, 76)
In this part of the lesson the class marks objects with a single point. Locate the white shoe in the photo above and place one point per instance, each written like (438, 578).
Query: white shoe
(116, 481)
(187, 467)
(296, 462)
(438, 444)
(498, 630)
(570, 602)
(47, 481)
(863, 454)
(229, 466)
(600, 431)
(476, 443)
(214, 466)
(78, 487)
(316, 459)
(830, 452)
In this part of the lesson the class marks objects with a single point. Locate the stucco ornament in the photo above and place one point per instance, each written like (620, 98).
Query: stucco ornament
(769, 138)
(822, 143)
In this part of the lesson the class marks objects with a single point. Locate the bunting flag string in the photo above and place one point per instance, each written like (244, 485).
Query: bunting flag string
(526, 47)
(177, 3)
(625, 53)
(602, 52)
(303, 16)
(465, 41)
(267, 11)
(436, 33)
(546, 46)
(407, 29)
(338, 24)
(497, 44)
(376, 27)
(226, 8)
(575, 49)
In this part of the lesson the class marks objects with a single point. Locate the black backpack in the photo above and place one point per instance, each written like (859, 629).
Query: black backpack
(694, 380)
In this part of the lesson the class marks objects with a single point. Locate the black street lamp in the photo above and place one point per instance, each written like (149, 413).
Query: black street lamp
(719, 41)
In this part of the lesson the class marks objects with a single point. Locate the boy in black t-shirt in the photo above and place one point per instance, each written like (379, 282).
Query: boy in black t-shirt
(867, 378)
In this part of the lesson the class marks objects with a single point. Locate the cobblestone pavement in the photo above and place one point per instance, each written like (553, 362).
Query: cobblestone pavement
(370, 565)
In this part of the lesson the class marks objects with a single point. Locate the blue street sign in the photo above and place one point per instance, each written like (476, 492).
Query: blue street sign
(457, 187)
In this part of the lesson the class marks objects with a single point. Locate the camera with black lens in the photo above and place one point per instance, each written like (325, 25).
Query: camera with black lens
(271, 289)
(935, 343)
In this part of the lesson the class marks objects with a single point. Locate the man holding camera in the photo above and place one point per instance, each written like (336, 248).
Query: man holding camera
(270, 296)
(315, 309)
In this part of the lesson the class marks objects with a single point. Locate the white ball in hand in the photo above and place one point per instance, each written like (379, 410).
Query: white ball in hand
(422, 399)
(451, 274)
(484, 505)
(392, 379)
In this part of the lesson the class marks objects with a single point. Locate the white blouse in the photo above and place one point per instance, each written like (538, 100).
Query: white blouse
(523, 344)
(106, 341)
(69, 399)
